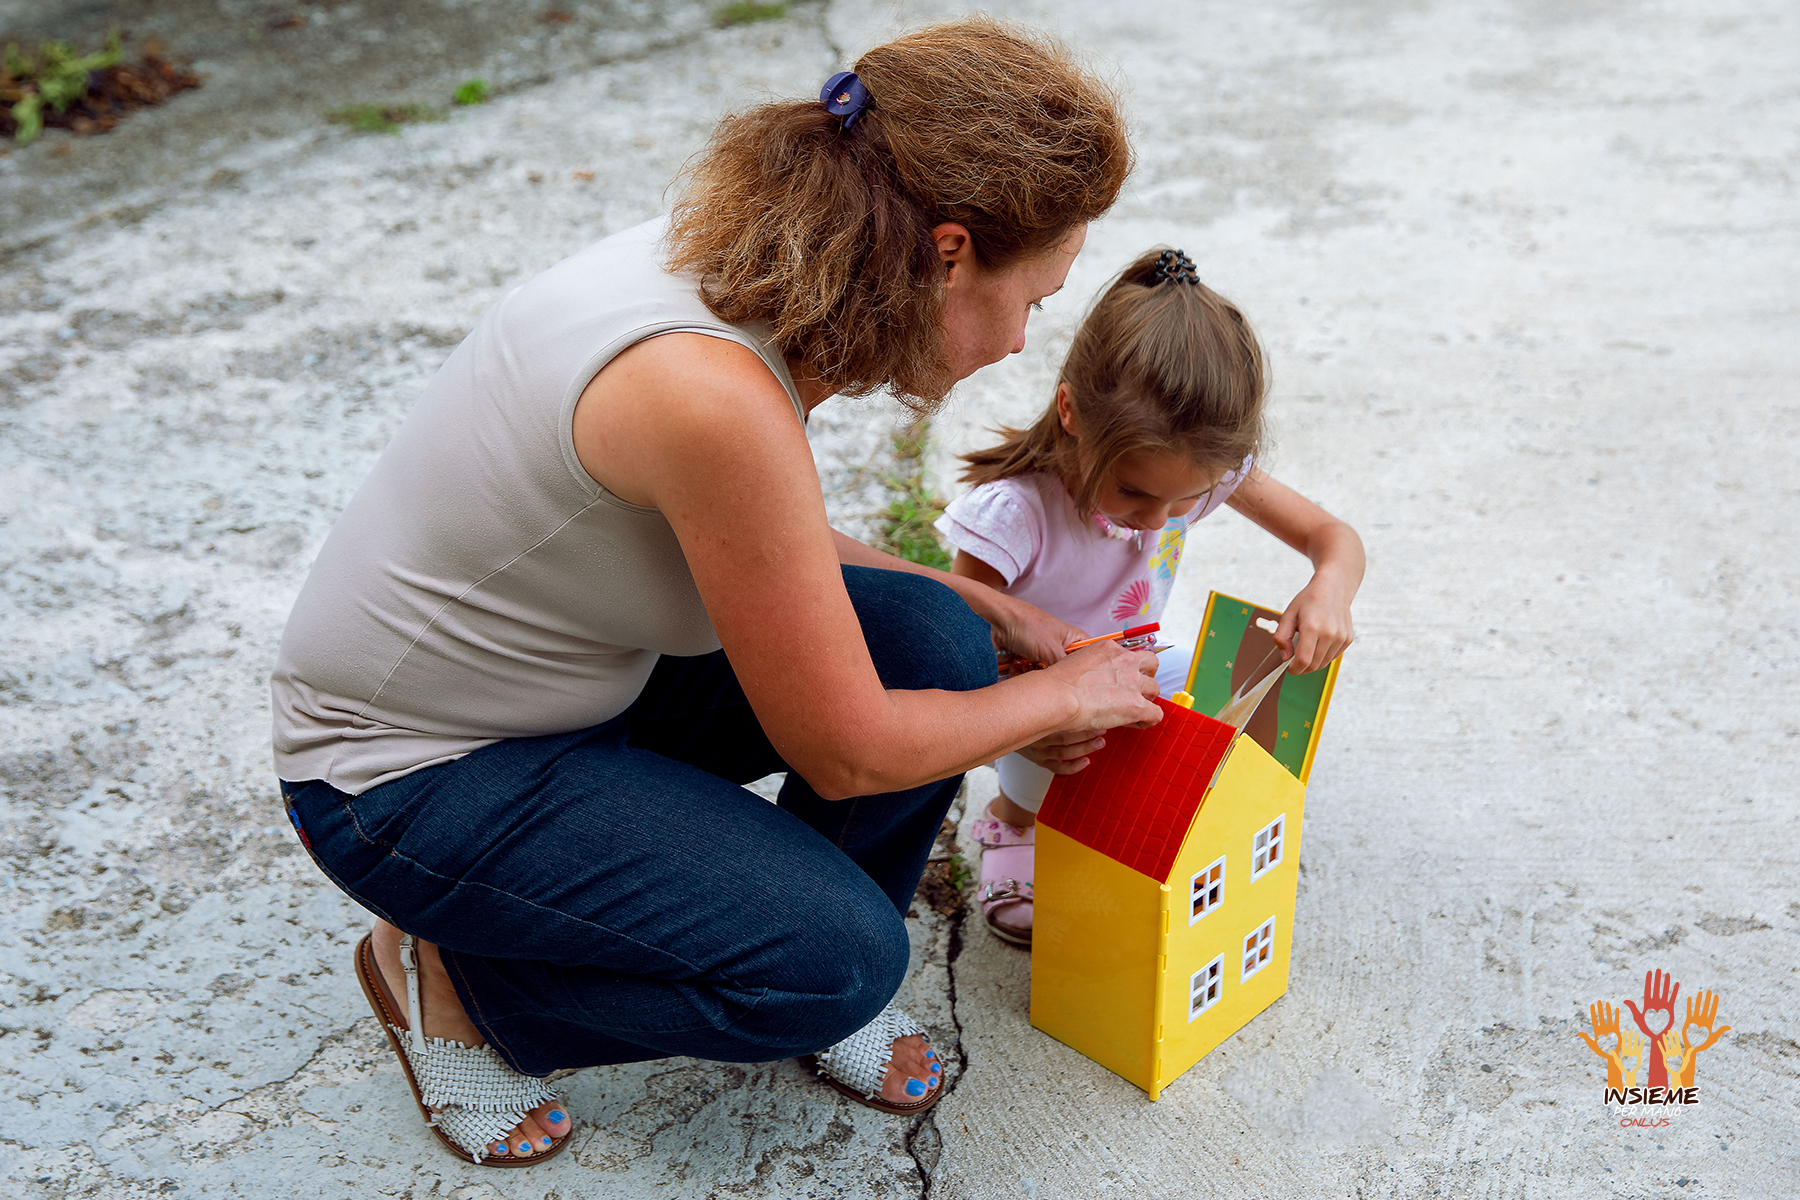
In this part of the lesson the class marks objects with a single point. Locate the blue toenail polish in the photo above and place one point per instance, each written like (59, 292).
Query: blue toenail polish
(499, 1147)
(556, 1116)
(931, 1054)
(546, 1141)
(524, 1147)
(914, 1088)
(935, 1082)
(935, 1068)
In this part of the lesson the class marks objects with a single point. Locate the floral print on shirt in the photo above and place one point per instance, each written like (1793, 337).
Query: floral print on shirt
(1143, 596)
(1134, 601)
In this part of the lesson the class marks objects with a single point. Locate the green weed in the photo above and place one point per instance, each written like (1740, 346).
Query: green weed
(473, 91)
(746, 11)
(910, 443)
(381, 118)
(56, 76)
(906, 530)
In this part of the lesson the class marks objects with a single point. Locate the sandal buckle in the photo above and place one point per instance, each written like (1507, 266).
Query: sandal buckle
(1005, 889)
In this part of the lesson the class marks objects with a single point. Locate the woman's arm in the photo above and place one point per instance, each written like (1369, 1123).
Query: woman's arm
(697, 427)
(1316, 626)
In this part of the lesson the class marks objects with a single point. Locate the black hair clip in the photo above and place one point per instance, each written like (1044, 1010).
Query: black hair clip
(845, 96)
(1173, 266)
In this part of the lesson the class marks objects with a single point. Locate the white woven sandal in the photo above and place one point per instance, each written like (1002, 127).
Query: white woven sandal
(857, 1065)
(468, 1095)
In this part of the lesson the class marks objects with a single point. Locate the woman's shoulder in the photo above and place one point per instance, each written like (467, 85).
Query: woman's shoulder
(563, 326)
(624, 271)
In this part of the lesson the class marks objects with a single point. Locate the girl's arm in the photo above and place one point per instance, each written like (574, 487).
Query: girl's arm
(1019, 628)
(697, 427)
(970, 567)
(1316, 627)
(1036, 635)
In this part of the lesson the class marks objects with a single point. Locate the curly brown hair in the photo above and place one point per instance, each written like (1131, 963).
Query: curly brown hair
(825, 233)
(1157, 366)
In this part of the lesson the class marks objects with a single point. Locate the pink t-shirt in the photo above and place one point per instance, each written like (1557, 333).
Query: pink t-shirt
(1026, 529)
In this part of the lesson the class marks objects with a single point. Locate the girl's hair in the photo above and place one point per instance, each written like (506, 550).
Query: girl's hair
(825, 233)
(1158, 366)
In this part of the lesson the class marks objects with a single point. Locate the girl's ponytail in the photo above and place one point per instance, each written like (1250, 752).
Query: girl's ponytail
(1162, 364)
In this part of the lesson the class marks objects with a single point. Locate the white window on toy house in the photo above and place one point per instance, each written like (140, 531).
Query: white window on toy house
(1206, 891)
(1259, 947)
(1206, 985)
(1266, 846)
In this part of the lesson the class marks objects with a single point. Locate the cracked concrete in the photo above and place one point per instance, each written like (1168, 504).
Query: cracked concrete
(1525, 274)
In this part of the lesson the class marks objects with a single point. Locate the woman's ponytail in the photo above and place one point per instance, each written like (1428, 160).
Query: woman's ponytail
(825, 232)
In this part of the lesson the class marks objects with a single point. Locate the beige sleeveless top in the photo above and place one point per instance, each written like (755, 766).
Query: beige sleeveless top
(481, 585)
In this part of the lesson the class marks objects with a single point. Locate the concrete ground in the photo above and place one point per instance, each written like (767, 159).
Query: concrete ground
(1525, 275)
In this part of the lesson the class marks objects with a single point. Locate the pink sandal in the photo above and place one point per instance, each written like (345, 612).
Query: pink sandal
(1008, 855)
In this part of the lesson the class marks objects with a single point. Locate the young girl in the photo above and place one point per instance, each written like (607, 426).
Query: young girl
(1157, 421)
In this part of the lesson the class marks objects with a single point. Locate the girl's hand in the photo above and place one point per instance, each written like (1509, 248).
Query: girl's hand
(1063, 753)
(1027, 632)
(1023, 631)
(1316, 626)
(1114, 687)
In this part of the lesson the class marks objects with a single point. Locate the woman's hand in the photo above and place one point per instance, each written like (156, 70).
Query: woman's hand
(1316, 627)
(1114, 687)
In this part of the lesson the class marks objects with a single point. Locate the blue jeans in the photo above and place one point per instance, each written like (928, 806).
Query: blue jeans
(613, 895)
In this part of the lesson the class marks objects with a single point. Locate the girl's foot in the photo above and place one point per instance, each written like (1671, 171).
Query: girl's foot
(444, 1018)
(1008, 856)
(1003, 808)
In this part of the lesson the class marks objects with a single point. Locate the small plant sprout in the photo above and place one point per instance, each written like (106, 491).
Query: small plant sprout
(746, 11)
(55, 76)
(473, 91)
(381, 118)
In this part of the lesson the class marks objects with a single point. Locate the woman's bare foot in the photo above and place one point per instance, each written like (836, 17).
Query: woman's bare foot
(444, 1018)
(913, 1071)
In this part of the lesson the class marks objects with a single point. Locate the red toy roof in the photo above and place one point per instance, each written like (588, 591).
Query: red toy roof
(1138, 795)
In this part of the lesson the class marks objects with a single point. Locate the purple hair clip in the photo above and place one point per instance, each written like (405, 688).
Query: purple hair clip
(845, 96)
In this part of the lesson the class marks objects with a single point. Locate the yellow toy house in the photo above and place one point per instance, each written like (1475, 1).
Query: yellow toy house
(1167, 870)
